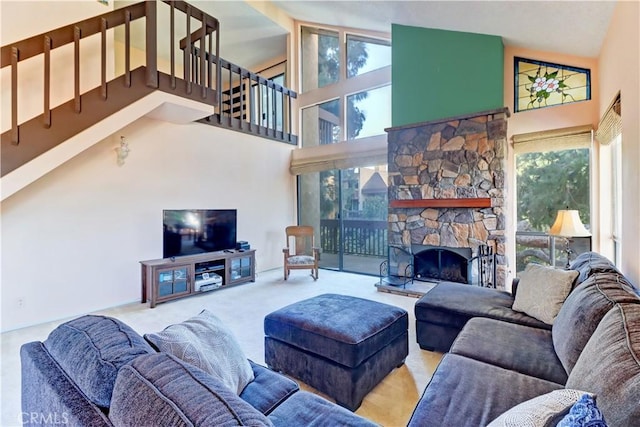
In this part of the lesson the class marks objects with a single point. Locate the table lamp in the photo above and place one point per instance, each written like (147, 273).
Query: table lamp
(568, 225)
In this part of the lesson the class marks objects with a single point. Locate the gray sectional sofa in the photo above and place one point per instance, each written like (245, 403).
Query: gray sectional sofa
(97, 371)
(500, 364)
(503, 365)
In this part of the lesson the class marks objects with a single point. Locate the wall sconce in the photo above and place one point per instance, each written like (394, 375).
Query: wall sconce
(122, 151)
(567, 225)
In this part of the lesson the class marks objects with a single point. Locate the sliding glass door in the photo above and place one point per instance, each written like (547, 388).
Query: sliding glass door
(348, 209)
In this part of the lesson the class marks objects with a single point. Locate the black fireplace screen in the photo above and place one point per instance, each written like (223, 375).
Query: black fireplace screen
(442, 263)
(439, 263)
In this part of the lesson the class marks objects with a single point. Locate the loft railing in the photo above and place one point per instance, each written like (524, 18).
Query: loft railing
(202, 78)
(254, 104)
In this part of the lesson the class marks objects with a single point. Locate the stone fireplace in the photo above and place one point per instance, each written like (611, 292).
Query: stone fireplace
(446, 184)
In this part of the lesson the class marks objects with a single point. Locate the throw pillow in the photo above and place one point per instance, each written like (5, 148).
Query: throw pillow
(584, 413)
(542, 291)
(204, 341)
(540, 411)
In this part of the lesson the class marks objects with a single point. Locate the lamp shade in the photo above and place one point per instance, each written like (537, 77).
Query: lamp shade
(568, 224)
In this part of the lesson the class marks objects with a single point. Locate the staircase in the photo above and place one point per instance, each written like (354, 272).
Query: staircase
(202, 85)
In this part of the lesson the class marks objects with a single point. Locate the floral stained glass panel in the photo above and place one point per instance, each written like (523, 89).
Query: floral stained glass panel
(543, 84)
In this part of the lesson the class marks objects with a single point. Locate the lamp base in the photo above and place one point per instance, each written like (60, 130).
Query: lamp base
(568, 250)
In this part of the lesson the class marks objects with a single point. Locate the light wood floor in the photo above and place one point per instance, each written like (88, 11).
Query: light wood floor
(243, 309)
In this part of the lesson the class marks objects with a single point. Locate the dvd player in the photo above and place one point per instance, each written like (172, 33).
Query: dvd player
(208, 282)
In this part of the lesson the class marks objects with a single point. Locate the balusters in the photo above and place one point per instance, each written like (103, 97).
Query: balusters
(188, 52)
(15, 131)
(103, 58)
(76, 68)
(172, 42)
(151, 45)
(127, 48)
(202, 79)
(47, 82)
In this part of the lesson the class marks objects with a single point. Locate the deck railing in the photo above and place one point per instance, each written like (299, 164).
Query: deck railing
(541, 248)
(359, 237)
(200, 79)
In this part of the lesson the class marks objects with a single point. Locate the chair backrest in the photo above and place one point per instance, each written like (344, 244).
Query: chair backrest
(301, 239)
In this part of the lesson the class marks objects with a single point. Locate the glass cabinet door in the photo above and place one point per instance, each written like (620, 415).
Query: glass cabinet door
(240, 268)
(173, 281)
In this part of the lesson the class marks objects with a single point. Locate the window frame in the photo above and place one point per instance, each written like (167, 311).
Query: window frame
(517, 75)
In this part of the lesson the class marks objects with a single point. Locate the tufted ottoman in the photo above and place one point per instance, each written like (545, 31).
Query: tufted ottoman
(342, 346)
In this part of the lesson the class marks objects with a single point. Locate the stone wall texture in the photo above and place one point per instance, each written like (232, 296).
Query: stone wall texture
(462, 158)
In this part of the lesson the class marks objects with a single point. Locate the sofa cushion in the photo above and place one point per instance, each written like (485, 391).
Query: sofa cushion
(582, 311)
(515, 347)
(307, 409)
(609, 365)
(162, 390)
(268, 389)
(542, 290)
(584, 413)
(204, 341)
(91, 349)
(589, 263)
(544, 410)
(467, 392)
(453, 304)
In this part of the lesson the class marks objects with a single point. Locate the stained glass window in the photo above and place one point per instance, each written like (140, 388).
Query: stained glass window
(543, 84)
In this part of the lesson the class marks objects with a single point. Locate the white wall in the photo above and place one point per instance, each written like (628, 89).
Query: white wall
(620, 71)
(72, 241)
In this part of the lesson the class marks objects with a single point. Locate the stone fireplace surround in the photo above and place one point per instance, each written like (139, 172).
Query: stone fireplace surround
(447, 184)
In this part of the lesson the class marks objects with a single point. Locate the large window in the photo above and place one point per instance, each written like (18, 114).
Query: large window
(320, 58)
(368, 112)
(616, 193)
(609, 135)
(542, 84)
(551, 174)
(358, 101)
(365, 54)
(345, 107)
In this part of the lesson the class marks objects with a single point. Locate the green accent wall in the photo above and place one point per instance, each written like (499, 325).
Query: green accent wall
(438, 74)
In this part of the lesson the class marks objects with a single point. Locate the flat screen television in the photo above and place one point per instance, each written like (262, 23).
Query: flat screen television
(194, 231)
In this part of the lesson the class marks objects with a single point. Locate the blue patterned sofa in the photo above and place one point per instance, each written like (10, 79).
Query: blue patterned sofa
(97, 371)
(500, 371)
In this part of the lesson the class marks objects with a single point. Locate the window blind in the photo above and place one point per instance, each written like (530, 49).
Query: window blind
(553, 140)
(610, 125)
(363, 152)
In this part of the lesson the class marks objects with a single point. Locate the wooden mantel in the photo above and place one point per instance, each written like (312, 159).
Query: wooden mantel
(480, 202)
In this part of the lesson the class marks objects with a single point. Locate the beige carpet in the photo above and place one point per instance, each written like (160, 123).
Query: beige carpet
(243, 309)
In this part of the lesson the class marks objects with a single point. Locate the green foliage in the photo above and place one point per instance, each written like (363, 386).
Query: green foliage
(551, 181)
(328, 194)
(375, 207)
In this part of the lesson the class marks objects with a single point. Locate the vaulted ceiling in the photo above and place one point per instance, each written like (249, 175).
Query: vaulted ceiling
(249, 38)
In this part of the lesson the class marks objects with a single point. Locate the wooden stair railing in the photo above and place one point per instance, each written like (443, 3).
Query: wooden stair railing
(200, 81)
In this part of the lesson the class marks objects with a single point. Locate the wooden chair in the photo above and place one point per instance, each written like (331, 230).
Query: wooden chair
(301, 252)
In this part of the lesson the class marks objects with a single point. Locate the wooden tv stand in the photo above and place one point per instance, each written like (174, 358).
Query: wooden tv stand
(171, 278)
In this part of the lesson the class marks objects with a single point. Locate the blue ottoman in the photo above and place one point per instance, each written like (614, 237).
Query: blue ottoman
(342, 346)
